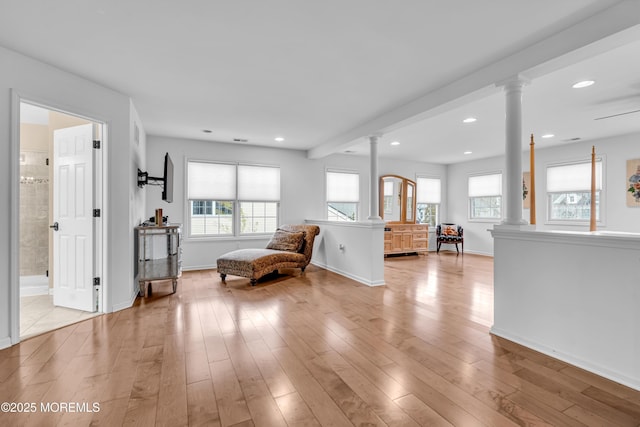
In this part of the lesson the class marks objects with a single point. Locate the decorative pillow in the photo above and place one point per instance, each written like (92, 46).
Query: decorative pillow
(450, 230)
(290, 241)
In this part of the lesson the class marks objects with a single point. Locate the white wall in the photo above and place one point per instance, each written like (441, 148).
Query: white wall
(137, 197)
(39, 82)
(618, 217)
(476, 237)
(303, 186)
(581, 307)
(615, 152)
(352, 249)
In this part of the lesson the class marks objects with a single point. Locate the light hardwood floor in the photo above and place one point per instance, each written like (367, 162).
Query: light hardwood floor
(312, 350)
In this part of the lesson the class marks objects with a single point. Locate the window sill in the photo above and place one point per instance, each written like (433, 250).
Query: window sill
(573, 223)
(486, 220)
(265, 236)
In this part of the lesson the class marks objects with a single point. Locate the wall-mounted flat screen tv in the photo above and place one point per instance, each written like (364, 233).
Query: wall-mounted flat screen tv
(167, 184)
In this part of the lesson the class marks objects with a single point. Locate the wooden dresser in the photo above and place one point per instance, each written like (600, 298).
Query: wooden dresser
(405, 238)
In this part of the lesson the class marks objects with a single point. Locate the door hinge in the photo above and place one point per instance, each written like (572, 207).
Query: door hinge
(96, 213)
(96, 143)
(96, 281)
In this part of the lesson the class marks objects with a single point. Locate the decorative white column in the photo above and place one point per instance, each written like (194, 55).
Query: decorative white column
(513, 151)
(374, 205)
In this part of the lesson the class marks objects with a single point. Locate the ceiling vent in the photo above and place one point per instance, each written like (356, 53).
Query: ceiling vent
(572, 139)
(240, 140)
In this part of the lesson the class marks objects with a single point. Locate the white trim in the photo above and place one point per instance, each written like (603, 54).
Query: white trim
(127, 304)
(349, 275)
(100, 259)
(376, 223)
(200, 267)
(606, 239)
(34, 285)
(14, 220)
(5, 343)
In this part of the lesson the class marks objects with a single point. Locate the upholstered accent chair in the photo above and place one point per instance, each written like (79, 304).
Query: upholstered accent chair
(449, 233)
(291, 246)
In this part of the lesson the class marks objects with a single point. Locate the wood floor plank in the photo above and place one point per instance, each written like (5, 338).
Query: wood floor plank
(295, 410)
(271, 371)
(172, 397)
(620, 412)
(376, 399)
(312, 349)
(263, 408)
(321, 404)
(201, 407)
(420, 412)
(231, 402)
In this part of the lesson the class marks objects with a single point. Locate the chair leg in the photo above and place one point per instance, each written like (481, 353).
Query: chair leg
(438, 247)
(223, 276)
(457, 250)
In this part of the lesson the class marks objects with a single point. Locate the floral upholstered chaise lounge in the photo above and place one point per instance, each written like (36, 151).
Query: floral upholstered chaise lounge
(290, 247)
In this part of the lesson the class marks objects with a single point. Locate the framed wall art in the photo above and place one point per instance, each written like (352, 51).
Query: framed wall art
(633, 183)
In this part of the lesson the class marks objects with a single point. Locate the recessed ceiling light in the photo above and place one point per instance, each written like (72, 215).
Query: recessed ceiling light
(395, 143)
(548, 135)
(467, 152)
(207, 130)
(279, 138)
(584, 83)
(469, 120)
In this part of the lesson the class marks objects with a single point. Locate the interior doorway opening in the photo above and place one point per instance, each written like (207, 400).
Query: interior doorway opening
(53, 185)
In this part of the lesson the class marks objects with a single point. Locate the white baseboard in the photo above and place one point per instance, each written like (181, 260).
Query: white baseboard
(28, 291)
(199, 267)
(467, 251)
(125, 305)
(603, 371)
(5, 342)
(349, 275)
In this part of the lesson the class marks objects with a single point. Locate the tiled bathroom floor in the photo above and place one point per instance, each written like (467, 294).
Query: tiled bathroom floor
(38, 315)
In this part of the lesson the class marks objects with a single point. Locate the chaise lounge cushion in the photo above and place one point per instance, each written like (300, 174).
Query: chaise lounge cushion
(290, 241)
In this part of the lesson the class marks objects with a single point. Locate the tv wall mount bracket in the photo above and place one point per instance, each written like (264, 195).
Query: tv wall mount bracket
(145, 179)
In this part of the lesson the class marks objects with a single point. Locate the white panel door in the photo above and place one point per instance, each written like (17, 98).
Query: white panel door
(73, 215)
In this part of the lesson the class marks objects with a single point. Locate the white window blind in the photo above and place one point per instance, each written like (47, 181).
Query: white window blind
(343, 187)
(485, 185)
(573, 177)
(258, 183)
(211, 181)
(429, 190)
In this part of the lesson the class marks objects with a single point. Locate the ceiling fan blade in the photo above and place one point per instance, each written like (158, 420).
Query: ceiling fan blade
(616, 115)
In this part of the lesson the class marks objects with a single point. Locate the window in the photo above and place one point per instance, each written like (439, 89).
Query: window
(569, 191)
(428, 200)
(224, 198)
(201, 207)
(485, 197)
(343, 195)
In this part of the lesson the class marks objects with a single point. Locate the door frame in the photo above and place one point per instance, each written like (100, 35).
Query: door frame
(99, 197)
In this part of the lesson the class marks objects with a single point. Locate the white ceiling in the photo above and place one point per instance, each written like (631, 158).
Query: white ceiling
(325, 74)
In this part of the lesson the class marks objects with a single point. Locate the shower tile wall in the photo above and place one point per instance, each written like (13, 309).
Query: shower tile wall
(34, 213)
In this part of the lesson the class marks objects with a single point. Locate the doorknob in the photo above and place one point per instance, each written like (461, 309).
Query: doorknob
(54, 226)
